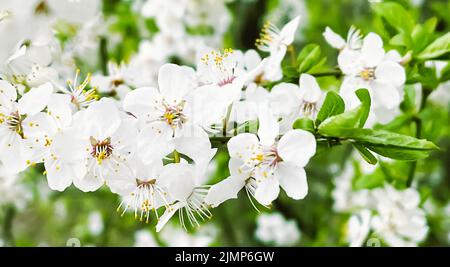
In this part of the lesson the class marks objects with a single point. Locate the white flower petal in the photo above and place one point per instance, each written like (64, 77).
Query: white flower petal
(168, 213)
(224, 190)
(292, 179)
(242, 146)
(287, 33)
(333, 39)
(309, 88)
(297, 147)
(175, 82)
(372, 51)
(155, 142)
(390, 72)
(35, 100)
(267, 190)
(385, 95)
(8, 93)
(141, 102)
(268, 128)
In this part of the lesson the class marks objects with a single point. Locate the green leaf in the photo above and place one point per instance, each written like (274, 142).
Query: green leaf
(354, 118)
(445, 73)
(423, 34)
(363, 96)
(304, 124)
(409, 99)
(369, 181)
(308, 57)
(399, 153)
(388, 144)
(439, 47)
(396, 16)
(365, 154)
(332, 105)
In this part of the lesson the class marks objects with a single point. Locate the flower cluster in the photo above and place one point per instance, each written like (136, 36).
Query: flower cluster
(149, 127)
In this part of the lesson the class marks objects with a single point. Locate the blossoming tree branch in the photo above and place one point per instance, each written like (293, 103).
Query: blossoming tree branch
(151, 140)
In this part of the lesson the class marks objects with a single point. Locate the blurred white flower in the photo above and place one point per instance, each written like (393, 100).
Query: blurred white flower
(274, 229)
(173, 236)
(95, 223)
(358, 228)
(399, 220)
(12, 190)
(143, 238)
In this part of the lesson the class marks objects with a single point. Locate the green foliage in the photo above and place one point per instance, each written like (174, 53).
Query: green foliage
(309, 57)
(332, 105)
(437, 48)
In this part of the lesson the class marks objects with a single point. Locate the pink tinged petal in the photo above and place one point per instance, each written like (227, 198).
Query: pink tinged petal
(391, 72)
(175, 82)
(268, 127)
(35, 100)
(141, 102)
(168, 213)
(333, 39)
(242, 146)
(309, 88)
(385, 95)
(292, 179)
(287, 33)
(372, 51)
(297, 147)
(267, 190)
(224, 190)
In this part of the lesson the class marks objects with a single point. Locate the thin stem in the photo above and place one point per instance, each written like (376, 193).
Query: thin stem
(225, 121)
(103, 54)
(291, 50)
